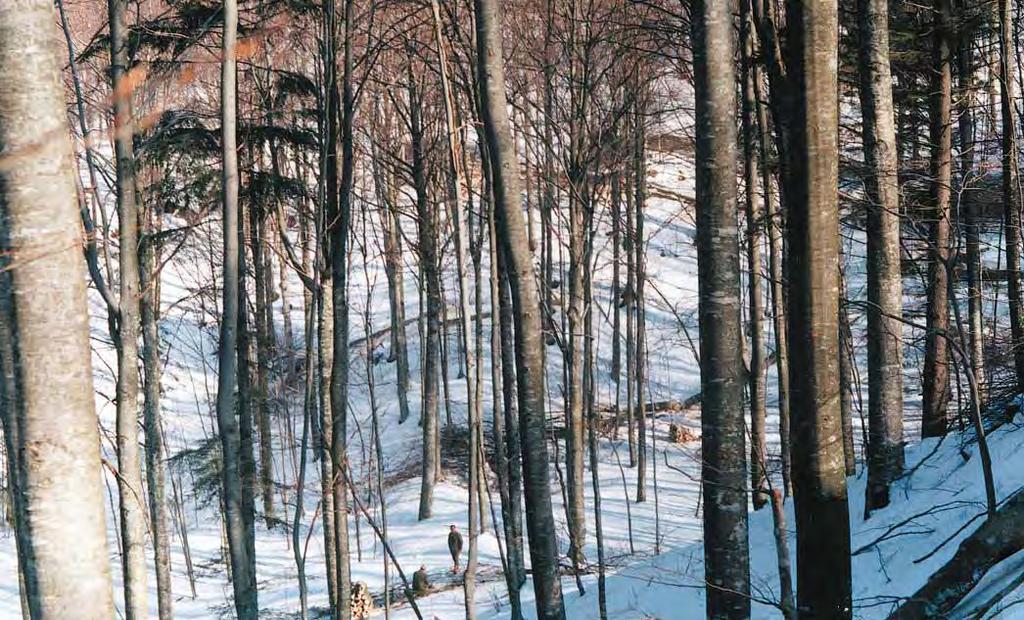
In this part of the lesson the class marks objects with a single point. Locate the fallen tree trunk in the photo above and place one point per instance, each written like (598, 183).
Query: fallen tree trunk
(997, 539)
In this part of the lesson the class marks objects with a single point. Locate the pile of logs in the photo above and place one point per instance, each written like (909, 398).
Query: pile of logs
(362, 601)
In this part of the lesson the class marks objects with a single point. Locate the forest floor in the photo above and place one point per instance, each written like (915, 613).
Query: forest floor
(654, 548)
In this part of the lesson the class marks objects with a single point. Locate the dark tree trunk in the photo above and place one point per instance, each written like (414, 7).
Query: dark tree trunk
(155, 467)
(936, 361)
(754, 215)
(1011, 183)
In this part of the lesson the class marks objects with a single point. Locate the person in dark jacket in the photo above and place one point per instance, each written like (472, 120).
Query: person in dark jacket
(420, 583)
(455, 547)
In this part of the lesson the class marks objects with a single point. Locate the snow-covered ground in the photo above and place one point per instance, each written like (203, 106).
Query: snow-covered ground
(654, 549)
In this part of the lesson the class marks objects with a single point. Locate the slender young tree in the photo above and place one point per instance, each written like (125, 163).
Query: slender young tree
(936, 360)
(155, 469)
(529, 338)
(129, 477)
(726, 558)
(819, 479)
(885, 285)
(243, 565)
(754, 213)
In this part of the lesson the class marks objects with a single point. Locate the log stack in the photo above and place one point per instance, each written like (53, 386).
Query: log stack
(361, 601)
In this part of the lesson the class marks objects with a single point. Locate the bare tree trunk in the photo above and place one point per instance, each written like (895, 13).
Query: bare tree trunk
(242, 563)
(263, 321)
(155, 467)
(338, 231)
(640, 249)
(129, 477)
(754, 215)
(723, 472)
(972, 217)
(394, 268)
(819, 480)
(529, 340)
(936, 361)
(885, 285)
(44, 324)
(431, 345)
(506, 427)
(1011, 183)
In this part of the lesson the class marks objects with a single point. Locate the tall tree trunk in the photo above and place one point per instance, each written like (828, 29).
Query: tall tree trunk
(44, 324)
(885, 284)
(129, 477)
(723, 473)
(1011, 183)
(243, 574)
(754, 214)
(263, 315)
(506, 427)
(431, 345)
(529, 340)
(394, 268)
(972, 215)
(639, 262)
(936, 361)
(156, 471)
(819, 480)
(338, 231)
(246, 426)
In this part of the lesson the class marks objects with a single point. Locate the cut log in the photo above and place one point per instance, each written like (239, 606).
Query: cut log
(997, 539)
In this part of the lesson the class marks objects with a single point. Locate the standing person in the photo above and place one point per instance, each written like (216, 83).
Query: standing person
(455, 547)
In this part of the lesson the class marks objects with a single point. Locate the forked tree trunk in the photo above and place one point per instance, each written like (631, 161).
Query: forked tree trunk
(44, 324)
(723, 472)
(819, 480)
(529, 339)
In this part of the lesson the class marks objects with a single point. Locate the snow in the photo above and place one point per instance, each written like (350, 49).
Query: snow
(654, 549)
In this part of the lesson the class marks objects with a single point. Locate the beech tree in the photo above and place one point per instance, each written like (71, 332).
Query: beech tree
(819, 478)
(723, 449)
(46, 392)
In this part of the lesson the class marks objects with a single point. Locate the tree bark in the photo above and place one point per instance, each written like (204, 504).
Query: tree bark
(44, 324)
(819, 480)
(723, 472)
